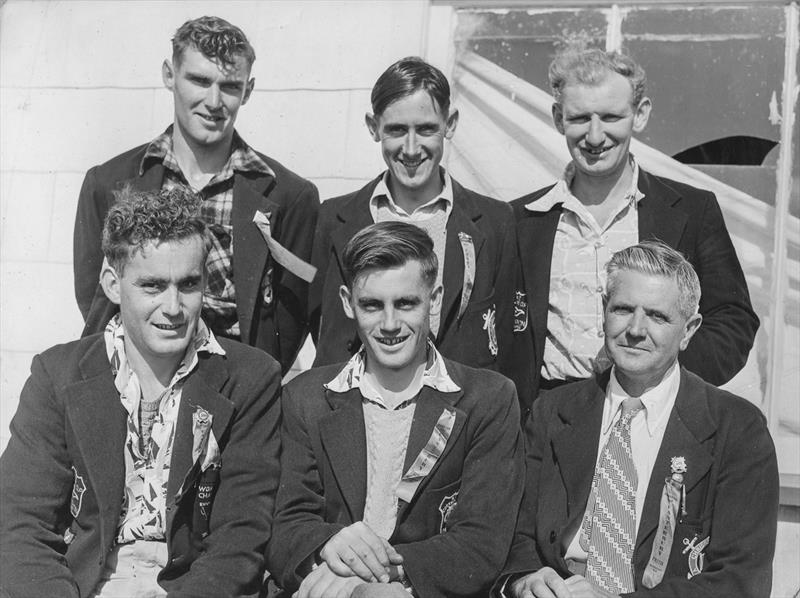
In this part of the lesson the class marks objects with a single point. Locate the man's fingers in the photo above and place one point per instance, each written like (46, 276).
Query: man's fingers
(395, 558)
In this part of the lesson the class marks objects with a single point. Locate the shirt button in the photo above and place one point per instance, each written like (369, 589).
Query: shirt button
(600, 290)
(600, 334)
(552, 537)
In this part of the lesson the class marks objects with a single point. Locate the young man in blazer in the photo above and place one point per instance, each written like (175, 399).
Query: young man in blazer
(605, 202)
(473, 235)
(400, 466)
(646, 480)
(143, 460)
(261, 215)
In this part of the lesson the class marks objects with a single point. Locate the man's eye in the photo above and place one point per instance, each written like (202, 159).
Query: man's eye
(427, 131)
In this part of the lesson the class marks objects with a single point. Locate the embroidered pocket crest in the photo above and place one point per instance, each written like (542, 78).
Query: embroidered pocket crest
(76, 500)
(446, 509)
(489, 327)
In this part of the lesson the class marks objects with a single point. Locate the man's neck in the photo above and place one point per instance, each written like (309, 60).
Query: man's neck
(154, 375)
(199, 163)
(411, 199)
(396, 381)
(600, 192)
(636, 386)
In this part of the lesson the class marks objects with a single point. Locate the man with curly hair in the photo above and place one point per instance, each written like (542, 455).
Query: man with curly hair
(257, 272)
(143, 460)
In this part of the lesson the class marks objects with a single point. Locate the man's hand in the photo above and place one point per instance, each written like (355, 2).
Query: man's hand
(545, 583)
(357, 550)
(380, 590)
(324, 583)
(579, 587)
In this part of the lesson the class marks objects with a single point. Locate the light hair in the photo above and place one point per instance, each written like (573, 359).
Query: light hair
(578, 65)
(386, 245)
(406, 77)
(655, 258)
(138, 218)
(215, 38)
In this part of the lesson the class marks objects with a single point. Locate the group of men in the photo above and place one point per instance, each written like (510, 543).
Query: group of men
(160, 456)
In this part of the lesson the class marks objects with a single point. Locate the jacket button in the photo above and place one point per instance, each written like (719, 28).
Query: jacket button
(552, 536)
(349, 346)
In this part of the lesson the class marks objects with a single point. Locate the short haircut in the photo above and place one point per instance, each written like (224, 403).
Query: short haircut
(386, 245)
(215, 38)
(141, 217)
(577, 65)
(406, 77)
(655, 258)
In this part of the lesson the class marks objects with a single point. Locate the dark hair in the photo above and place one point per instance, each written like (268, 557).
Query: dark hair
(141, 217)
(577, 64)
(656, 258)
(215, 38)
(404, 78)
(387, 245)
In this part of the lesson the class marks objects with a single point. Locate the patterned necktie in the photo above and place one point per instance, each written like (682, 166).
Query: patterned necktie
(608, 531)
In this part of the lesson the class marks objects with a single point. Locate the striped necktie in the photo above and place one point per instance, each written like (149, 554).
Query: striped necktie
(608, 531)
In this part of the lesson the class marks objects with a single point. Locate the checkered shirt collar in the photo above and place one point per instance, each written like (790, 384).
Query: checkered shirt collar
(242, 159)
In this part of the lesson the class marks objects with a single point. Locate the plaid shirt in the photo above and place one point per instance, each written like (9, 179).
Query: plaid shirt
(219, 299)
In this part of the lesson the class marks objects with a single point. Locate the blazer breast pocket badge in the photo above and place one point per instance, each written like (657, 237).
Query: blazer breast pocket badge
(446, 508)
(491, 331)
(696, 556)
(76, 500)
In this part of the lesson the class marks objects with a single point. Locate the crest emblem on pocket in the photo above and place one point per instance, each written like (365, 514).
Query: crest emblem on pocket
(489, 327)
(76, 500)
(520, 311)
(696, 556)
(446, 509)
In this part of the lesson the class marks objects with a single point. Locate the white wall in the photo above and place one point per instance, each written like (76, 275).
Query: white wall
(80, 81)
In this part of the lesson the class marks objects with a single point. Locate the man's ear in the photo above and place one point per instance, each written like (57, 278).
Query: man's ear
(168, 74)
(692, 325)
(345, 296)
(452, 123)
(642, 115)
(248, 90)
(436, 299)
(558, 116)
(110, 281)
(372, 124)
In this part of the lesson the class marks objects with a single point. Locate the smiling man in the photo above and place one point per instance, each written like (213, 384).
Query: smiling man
(605, 202)
(473, 236)
(257, 274)
(645, 480)
(143, 460)
(392, 461)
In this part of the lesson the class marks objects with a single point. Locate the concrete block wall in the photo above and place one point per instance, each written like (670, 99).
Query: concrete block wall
(80, 81)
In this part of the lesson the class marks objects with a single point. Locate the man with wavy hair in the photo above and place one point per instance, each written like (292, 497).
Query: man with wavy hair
(257, 276)
(143, 460)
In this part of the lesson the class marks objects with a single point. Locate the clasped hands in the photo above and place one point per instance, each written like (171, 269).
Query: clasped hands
(354, 556)
(547, 583)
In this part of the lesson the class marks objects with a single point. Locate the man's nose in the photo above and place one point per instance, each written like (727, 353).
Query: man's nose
(411, 144)
(595, 135)
(638, 325)
(171, 305)
(390, 321)
(213, 98)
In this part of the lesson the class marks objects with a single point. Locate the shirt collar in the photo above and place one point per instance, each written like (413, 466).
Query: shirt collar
(382, 191)
(435, 375)
(657, 401)
(204, 341)
(561, 194)
(242, 159)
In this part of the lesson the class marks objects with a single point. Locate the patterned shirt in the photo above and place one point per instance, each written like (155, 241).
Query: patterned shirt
(388, 426)
(219, 299)
(582, 248)
(432, 217)
(147, 456)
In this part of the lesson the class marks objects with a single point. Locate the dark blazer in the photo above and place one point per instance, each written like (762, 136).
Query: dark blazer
(67, 441)
(324, 481)
(685, 218)
(731, 488)
(466, 340)
(293, 203)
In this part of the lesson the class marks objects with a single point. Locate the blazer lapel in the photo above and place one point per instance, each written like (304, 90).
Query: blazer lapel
(657, 218)
(343, 438)
(250, 250)
(201, 390)
(96, 414)
(462, 220)
(575, 447)
(354, 215)
(536, 236)
(689, 425)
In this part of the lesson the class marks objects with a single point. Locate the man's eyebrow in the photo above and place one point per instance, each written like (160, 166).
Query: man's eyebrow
(146, 279)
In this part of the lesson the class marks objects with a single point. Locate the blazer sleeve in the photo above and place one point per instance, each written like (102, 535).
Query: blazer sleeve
(466, 559)
(719, 349)
(299, 528)
(231, 562)
(296, 234)
(744, 515)
(87, 237)
(34, 495)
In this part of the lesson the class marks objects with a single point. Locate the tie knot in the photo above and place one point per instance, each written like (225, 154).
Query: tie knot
(630, 407)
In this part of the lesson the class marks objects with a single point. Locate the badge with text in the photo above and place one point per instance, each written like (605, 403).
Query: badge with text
(468, 249)
(446, 508)
(280, 254)
(696, 556)
(491, 331)
(520, 311)
(76, 500)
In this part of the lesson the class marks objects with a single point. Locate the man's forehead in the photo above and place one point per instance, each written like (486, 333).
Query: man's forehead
(576, 87)
(407, 279)
(188, 254)
(192, 59)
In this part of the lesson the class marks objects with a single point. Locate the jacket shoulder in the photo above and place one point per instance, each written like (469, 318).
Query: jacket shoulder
(244, 359)
(518, 205)
(284, 176)
(123, 165)
(489, 206)
(649, 180)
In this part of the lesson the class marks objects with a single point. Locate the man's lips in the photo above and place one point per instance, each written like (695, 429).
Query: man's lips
(391, 341)
(211, 118)
(596, 151)
(169, 327)
(411, 163)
